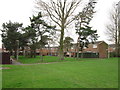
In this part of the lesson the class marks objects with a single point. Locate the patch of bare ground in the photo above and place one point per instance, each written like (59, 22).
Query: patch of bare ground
(5, 68)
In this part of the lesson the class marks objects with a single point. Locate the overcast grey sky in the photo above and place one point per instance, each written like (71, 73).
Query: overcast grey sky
(21, 10)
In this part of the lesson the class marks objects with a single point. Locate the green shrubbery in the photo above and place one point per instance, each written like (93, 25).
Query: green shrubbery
(113, 54)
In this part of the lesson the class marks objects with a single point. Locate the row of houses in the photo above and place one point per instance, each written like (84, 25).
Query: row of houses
(99, 49)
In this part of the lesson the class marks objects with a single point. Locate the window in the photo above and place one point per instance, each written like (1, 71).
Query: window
(94, 46)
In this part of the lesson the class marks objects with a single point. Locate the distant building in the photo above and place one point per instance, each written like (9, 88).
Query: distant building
(52, 51)
(99, 49)
(111, 48)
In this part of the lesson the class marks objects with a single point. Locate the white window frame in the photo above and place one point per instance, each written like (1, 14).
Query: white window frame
(94, 46)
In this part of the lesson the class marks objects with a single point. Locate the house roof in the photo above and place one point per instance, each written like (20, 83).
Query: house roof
(51, 47)
(98, 42)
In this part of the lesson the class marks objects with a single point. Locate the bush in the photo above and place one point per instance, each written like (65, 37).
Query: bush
(113, 54)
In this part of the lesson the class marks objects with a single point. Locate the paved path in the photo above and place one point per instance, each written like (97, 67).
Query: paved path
(14, 62)
(18, 63)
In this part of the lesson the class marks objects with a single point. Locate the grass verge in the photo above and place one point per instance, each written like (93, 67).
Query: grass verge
(102, 73)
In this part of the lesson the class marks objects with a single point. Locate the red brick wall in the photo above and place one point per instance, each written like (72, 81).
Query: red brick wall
(47, 51)
(103, 50)
(90, 48)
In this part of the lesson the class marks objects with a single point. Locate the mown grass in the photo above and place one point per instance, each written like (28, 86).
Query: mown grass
(0, 76)
(47, 59)
(27, 60)
(101, 73)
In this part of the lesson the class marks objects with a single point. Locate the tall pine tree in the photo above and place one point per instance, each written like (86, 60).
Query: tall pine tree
(85, 33)
(10, 35)
(40, 29)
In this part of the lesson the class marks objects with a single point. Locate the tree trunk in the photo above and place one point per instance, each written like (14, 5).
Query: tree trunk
(116, 42)
(77, 54)
(31, 53)
(24, 52)
(119, 44)
(15, 54)
(119, 37)
(77, 48)
(49, 52)
(11, 52)
(61, 44)
(81, 54)
(75, 51)
(70, 55)
(41, 56)
(116, 36)
(34, 53)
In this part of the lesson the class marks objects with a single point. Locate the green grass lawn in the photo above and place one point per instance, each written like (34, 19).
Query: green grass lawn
(27, 60)
(47, 59)
(100, 73)
(0, 76)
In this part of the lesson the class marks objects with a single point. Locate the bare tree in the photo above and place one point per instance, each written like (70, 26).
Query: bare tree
(119, 28)
(61, 13)
(113, 29)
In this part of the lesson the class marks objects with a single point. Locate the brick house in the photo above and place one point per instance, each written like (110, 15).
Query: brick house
(100, 47)
(49, 51)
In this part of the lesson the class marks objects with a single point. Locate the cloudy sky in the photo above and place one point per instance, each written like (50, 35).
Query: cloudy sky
(21, 10)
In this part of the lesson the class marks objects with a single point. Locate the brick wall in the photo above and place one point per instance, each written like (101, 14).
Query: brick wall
(103, 50)
(91, 48)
